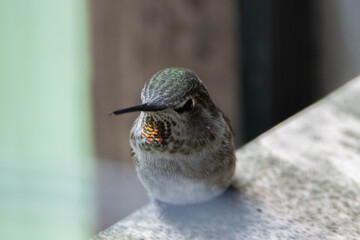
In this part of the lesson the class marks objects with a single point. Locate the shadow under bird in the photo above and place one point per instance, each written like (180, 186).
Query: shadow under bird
(182, 142)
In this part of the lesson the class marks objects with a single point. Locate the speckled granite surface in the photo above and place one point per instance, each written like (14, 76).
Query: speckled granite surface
(300, 180)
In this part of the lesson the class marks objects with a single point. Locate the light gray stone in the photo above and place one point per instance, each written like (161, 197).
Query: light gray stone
(300, 180)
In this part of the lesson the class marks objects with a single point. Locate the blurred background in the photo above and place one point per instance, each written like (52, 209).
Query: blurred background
(65, 166)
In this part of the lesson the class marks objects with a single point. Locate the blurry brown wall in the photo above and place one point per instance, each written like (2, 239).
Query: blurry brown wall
(133, 39)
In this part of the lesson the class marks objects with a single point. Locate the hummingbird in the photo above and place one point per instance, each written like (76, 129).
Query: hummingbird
(181, 142)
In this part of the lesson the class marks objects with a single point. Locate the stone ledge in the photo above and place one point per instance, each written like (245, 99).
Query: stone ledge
(300, 180)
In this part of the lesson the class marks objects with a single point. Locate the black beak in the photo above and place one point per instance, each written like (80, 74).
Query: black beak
(142, 107)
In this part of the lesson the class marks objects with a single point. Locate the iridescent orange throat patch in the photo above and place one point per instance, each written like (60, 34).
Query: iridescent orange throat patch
(151, 131)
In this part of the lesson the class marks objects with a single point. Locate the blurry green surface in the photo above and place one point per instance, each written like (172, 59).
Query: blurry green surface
(46, 164)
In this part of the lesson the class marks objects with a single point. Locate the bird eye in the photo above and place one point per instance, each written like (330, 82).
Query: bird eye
(188, 106)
